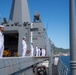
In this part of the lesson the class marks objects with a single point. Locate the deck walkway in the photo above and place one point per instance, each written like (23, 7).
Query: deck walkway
(54, 70)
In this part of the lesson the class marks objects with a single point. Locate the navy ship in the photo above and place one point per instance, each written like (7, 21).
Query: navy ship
(18, 26)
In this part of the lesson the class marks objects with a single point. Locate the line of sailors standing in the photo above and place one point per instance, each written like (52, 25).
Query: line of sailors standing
(39, 51)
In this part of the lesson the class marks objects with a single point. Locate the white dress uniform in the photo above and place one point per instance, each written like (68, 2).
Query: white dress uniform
(1, 44)
(36, 51)
(43, 52)
(24, 48)
(39, 51)
(32, 51)
(56, 59)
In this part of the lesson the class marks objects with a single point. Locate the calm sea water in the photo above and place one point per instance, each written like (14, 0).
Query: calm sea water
(66, 61)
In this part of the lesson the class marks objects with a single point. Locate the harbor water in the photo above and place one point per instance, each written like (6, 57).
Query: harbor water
(66, 61)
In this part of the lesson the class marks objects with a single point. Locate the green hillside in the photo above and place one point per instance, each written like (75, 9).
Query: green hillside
(57, 50)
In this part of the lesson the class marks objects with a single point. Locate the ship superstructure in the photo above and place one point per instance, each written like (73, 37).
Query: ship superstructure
(14, 30)
(19, 26)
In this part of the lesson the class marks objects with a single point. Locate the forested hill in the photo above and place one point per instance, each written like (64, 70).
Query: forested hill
(57, 50)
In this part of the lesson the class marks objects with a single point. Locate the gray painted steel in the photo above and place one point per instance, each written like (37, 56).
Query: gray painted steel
(40, 35)
(72, 39)
(42, 41)
(42, 38)
(19, 11)
(22, 31)
(18, 65)
(50, 66)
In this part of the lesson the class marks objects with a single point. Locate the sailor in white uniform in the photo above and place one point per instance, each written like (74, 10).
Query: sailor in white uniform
(32, 50)
(56, 59)
(24, 47)
(39, 51)
(43, 52)
(36, 50)
(1, 40)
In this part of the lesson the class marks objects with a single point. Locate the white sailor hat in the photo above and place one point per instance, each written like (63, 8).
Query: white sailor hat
(2, 26)
(24, 37)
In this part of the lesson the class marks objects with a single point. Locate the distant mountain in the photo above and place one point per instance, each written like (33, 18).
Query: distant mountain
(62, 50)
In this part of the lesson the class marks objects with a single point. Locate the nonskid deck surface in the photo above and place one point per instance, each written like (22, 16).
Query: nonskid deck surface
(54, 70)
(10, 65)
